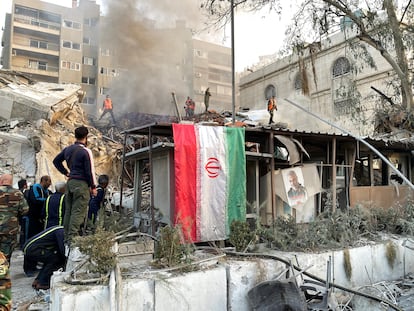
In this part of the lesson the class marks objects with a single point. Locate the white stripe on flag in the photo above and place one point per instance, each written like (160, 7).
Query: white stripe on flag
(211, 209)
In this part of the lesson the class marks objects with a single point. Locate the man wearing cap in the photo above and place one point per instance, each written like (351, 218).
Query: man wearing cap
(81, 183)
(12, 206)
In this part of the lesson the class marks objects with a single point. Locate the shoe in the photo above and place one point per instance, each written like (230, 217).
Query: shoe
(30, 274)
(35, 284)
(42, 286)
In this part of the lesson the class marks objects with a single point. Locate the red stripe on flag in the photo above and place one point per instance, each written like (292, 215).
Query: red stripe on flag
(185, 164)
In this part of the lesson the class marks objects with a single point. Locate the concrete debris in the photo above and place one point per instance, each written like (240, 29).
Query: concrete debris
(38, 119)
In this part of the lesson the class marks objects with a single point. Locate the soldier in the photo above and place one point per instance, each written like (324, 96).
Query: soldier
(5, 284)
(12, 206)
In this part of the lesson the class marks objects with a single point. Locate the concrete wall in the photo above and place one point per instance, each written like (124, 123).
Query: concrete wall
(224, 285)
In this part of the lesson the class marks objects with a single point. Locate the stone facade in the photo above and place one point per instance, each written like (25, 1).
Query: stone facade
(334, 84)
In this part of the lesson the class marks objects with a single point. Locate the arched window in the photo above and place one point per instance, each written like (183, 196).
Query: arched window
(298, 82)
(341, 67)
(270, 91)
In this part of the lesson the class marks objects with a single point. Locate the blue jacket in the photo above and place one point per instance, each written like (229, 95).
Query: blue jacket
(79, 160)
(95, 203)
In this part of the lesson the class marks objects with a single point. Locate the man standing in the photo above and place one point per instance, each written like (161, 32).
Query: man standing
(12, 206)
(81, 184)
(271, 107)
(107, 108)
(48, 248)
(54, 209)
(36, 199)
(207, 96)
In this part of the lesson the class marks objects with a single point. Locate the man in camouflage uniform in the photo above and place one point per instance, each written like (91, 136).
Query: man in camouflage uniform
(12, 206)
(5, 284)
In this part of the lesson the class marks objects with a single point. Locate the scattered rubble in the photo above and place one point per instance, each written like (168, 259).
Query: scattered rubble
(38, 120)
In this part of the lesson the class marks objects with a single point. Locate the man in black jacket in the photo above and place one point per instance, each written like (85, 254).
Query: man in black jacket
(81, 184)
(46, 247)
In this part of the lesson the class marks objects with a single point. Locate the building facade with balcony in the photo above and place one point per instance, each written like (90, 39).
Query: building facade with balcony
(59, 44)
(52, 43)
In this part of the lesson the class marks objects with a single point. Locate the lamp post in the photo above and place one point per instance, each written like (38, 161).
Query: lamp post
(233, 79)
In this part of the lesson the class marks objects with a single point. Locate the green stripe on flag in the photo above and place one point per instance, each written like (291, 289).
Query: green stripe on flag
(236, 182)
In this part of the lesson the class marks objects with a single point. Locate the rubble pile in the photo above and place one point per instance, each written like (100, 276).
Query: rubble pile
(38, 120)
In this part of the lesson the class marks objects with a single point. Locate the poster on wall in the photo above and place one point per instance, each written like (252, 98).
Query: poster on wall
(297, 187)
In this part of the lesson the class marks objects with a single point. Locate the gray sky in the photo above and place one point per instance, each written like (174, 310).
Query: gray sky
(255, 34)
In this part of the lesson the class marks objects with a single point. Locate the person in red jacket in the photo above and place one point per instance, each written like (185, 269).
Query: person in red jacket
(107, 108)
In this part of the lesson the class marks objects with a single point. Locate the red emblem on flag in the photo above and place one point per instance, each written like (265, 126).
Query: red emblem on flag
(213, 167)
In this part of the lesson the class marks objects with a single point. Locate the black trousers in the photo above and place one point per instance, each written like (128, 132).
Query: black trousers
(52, 261)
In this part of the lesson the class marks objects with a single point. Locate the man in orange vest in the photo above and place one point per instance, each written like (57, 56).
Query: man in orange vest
(107, 107)
(271, 107)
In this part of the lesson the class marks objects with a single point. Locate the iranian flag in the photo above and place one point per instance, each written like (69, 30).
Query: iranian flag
(210, 180)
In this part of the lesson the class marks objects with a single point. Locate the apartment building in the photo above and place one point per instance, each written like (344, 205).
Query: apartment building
(63, 45)
(59, 44)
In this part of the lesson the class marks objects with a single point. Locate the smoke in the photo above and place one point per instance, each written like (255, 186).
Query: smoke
(152, 42)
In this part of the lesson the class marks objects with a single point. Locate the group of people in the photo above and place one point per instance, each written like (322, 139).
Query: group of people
(190, 103)
(50, 221)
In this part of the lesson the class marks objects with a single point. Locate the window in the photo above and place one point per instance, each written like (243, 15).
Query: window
(70, 65)
(341, 67)
(103, 90)
(89, 61)
(90, 22)
(86, 41)
(108, 72)
(71, 24)
(270, 91)
(38, 44)
(89, 101)
(88, 80)
(71, 45)
(37, 64)
(298, 82)
(105, 52)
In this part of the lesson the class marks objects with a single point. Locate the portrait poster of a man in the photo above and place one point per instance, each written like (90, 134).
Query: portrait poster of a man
(296, 193)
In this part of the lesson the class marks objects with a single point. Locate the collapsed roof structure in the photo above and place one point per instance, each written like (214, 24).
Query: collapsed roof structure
(37, 120)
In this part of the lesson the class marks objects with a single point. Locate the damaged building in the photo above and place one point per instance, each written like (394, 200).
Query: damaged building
(328, 164)
(37, 120)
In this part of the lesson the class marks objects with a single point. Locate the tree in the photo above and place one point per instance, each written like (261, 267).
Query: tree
(385, 25)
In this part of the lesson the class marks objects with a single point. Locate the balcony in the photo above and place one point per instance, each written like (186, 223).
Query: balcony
(38, 69)
(35, 46)
(38, 25)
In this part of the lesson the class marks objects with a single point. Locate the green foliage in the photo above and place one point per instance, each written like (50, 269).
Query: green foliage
(241, 235)
(338, 229)
(98, 247)
(170, 250)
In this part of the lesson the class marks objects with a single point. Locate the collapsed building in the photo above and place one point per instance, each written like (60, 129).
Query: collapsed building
(38, 119)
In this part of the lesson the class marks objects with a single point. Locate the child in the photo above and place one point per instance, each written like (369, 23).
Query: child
(95, 203)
